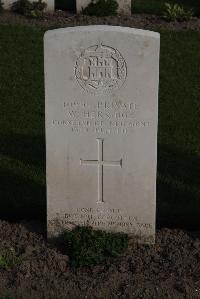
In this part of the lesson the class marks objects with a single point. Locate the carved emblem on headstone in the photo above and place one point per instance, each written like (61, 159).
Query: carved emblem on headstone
(100, 69)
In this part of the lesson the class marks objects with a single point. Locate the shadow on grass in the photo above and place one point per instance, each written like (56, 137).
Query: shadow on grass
(22, 172)
(28, 149)
(178, 189)
(23, 194)
(21, 198)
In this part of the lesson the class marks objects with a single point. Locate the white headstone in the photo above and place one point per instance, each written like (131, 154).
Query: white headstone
(124, 6)
(101, 87)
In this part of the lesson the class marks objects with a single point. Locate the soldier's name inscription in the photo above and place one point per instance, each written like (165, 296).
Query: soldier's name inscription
(101, 117)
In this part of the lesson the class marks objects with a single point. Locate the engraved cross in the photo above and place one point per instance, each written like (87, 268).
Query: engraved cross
(100, 163)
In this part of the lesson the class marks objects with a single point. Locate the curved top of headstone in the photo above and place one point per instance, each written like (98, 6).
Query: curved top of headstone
(105, 28)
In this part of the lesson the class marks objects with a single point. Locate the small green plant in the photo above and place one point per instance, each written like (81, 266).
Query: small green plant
(101, 8)
(37, 9)
(25, 7)
(86, 246)
(175, 12)
(8, 259)
(1, 7)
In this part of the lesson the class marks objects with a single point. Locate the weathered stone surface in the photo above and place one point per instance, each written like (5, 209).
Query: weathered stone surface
(101, 87)
(124, 6)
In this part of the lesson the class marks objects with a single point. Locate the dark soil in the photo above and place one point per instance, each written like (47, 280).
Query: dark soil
(168, 269)
(65, 19)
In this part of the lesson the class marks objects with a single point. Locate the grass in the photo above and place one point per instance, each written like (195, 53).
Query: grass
(22, 150)
(179, 129)
(22, 173)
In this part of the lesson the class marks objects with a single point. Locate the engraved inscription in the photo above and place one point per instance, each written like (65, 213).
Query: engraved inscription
(101, 117)
(100, 162)
(100, 69)
(101, 217)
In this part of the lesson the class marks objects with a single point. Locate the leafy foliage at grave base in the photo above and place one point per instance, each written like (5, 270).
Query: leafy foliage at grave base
(21, 6)
(33, 9)
(175, 12)
(141, 6)
(158, 6)
(86, 246)
(101, 8)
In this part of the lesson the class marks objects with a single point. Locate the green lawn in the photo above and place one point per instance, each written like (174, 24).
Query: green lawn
(22, 166)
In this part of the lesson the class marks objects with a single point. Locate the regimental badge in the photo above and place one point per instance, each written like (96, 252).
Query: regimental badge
(100, 69)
